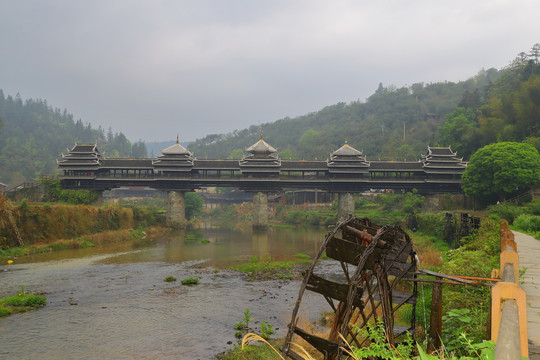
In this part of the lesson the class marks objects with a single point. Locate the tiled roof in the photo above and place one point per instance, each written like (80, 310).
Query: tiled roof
(261, 147)
(176, 149)
(347, 150)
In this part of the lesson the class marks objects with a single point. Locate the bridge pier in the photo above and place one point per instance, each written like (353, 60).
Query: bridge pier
(176, 210)
(345, 206)
(260, 211)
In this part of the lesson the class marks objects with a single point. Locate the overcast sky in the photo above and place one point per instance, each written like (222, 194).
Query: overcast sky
(152, 69)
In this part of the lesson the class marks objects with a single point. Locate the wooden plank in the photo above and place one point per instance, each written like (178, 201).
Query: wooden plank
(401, 329)
(400, 298)
(333, 290)
(402, 270)
(400, 252)
(444, 276)
(435, 323)
(350, 252)
(319, 343)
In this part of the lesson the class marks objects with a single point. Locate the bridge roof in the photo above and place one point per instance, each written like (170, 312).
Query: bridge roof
(261, 147)
(440, 151)
(216, 164)
(396, 166)
(347, 150)
(84, 148)
(315, 165)
(142, 164)
(176, 149)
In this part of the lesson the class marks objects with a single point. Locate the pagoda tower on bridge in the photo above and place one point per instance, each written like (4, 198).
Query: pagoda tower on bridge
(262, 161)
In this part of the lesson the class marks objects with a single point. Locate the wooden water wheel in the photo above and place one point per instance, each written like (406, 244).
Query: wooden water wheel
(373, 260)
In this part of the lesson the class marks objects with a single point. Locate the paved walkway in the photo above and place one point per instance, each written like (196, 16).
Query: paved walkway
(529, 260)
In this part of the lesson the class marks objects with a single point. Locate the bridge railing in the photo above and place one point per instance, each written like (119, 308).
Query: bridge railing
(508, 303)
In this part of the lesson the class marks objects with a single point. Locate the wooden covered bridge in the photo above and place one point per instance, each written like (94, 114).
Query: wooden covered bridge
(261, 172)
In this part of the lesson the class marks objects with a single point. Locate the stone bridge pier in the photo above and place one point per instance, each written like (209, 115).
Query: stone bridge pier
(345, 206)
(260, 211)
(176, 209)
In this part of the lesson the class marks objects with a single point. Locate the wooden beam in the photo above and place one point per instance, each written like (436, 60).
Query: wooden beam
(435, 320)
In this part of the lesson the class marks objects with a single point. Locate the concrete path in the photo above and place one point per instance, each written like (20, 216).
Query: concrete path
(529, 260)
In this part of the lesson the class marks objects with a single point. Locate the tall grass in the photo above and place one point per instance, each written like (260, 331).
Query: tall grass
(527, 223)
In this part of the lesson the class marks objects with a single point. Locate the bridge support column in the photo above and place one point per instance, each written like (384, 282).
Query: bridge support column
(176, 210)
(260, 211)
(345, 206)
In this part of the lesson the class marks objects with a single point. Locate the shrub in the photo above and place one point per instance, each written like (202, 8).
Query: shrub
(527, 223)
(533, 207)
(505, 211)
(190, 281)
(170, 279)
(431, 224)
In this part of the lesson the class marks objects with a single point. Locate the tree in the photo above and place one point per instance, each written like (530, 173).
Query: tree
(236, 154)
(138, 150)
(287, 155)
(458, 130)
(194, 204)
(501, 169)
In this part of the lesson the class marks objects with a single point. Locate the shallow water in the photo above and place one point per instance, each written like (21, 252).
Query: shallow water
(112, 302)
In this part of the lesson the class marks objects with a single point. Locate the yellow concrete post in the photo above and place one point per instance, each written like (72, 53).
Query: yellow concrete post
(504, 291)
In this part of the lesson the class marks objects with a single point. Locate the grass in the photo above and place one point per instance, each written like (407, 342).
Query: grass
(169, 279)
(264, 268)
(282, 226)
(250, 352)
(190, 281)
(20, 302)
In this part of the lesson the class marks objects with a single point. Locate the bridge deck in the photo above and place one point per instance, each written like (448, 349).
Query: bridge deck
(529, 260)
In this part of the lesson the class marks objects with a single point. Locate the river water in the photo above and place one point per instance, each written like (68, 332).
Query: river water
(112, 302)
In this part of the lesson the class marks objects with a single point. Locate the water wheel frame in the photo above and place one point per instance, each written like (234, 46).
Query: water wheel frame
(381, 257)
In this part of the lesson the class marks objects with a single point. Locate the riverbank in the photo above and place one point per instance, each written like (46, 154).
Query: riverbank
(133, 237)
(29, 228)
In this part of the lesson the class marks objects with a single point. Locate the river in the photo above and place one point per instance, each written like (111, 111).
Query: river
(112, 302)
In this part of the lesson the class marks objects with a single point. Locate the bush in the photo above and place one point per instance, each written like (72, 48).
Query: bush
(527, 223)
(431, 224)
(533, 207)
(505, 211)
(190, 281)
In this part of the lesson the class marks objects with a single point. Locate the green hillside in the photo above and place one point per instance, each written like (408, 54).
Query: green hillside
(33, 135)
(399, 123)
(392, 124)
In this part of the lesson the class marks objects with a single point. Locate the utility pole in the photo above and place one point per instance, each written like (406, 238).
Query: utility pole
(404, 131)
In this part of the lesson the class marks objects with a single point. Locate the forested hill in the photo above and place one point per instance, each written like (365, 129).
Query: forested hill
(399, 123)
(33, 135)
(392, 124)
